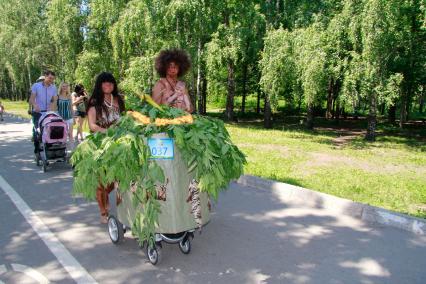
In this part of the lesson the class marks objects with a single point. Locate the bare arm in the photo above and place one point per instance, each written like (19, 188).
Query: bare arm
(188, 105)
(76, 101)
(33, 102)
(159, 90)
(54, 103)
(91, 116)
(70, 108)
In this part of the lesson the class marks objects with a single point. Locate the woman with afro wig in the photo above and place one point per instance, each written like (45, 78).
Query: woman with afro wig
(171, 65)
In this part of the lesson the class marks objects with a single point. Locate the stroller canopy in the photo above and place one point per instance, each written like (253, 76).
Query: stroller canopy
(47, 117)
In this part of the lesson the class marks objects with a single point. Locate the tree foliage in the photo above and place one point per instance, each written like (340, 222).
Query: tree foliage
(341, 55)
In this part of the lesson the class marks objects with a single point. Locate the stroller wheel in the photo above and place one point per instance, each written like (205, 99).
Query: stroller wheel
(154, 254)
(185, 245)
(115, 230)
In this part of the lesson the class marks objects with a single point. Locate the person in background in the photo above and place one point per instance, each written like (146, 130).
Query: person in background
(65, 107)
(1, 111)
(104, 109)
(79, 101)
(42, 98)
(171, 65)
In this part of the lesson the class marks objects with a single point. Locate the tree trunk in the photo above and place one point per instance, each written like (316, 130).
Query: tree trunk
(243, 103)
(310, 117)
(333, 108)
(408, 105)
(267, 113)
(204, 94)
(372, 119)
(328, 113)
(229, 113)
(13, 97)
(151, 80)
(199, 97)
(409, 74)
(382, 109)
(337, 112)
(29, 76)
(392, 114)
(193, 93)
(403, 112)
(277, 13)
(259, 93)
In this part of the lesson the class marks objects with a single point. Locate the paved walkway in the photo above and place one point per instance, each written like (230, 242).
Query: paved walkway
(253, 237)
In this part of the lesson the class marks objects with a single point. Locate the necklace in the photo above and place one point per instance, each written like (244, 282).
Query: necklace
(173, 86)
(110, 103)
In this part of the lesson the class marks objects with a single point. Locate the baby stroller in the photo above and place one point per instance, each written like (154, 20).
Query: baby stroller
(50, 139)
(176, 222)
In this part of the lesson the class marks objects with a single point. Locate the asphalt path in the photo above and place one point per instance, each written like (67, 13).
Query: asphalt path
(253, 236)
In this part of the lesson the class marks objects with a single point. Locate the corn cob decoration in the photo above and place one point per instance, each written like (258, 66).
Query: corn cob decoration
(148, 99)
(143, 119)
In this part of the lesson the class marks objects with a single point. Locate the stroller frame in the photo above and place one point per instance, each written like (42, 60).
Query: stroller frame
(46, 152)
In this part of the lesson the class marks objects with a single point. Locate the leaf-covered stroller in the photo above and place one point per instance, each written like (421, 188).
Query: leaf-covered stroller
(181, 211)
(50, 139)
(161, 199)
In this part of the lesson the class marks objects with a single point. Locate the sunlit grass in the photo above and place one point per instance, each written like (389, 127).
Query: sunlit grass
(16, 107)
(389, 174)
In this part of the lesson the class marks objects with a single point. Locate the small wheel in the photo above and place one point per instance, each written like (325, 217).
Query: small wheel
(115, 230)
(185, 246)
(154, 254)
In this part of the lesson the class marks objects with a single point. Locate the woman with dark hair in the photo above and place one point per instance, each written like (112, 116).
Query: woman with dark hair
(171, 65)
(105, 106)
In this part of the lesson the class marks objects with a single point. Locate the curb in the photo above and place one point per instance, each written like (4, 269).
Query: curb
(302, 196)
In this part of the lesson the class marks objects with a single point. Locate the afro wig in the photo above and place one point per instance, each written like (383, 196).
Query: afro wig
(178, 56)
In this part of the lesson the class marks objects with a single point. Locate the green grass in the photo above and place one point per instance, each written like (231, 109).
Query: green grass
(389, 173)
(16, 107)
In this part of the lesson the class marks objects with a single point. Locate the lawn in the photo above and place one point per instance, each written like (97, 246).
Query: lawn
(16, 107)
(334, 158)
(389, 173)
